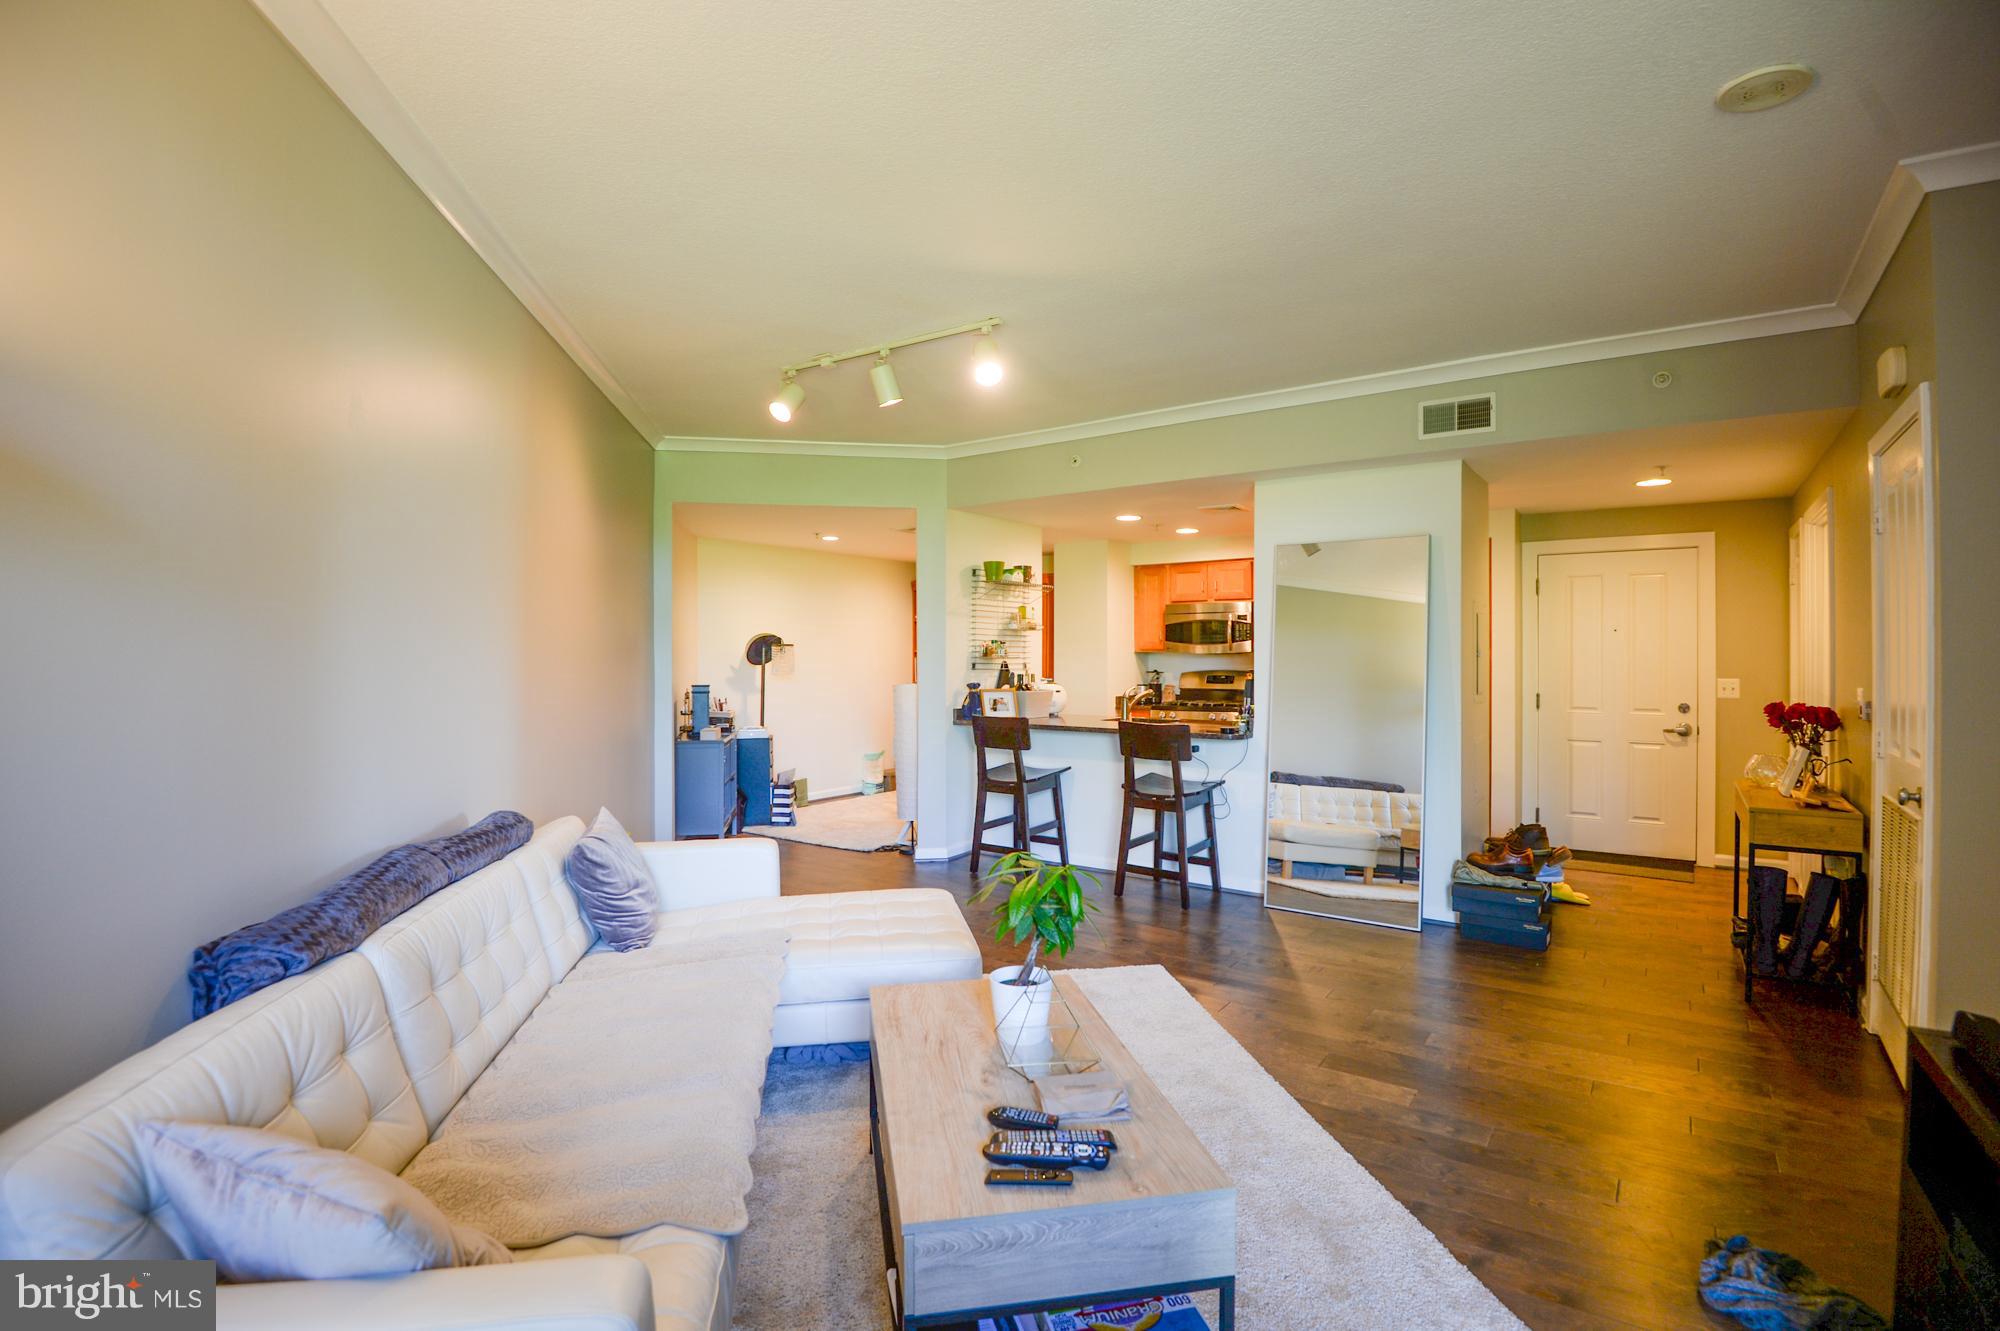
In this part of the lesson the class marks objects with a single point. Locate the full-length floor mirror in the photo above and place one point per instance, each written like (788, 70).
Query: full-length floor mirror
(1346, 654)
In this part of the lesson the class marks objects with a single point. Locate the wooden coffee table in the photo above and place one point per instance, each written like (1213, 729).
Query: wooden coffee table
(1160, 1220)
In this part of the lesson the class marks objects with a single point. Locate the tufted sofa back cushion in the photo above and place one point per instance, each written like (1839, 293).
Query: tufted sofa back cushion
(566, 934)
(312, 1057)
(462, 969)
(1385, 811)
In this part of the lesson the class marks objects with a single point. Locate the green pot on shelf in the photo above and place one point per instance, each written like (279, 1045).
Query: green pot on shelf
(994, 568)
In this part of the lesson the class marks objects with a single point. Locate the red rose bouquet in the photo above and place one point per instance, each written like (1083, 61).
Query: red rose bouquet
(1803, 724)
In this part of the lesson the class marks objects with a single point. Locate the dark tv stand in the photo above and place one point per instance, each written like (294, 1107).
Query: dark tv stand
(1948, 1237)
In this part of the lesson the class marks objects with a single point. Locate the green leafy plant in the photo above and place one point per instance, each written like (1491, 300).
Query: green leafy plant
(1043, 907)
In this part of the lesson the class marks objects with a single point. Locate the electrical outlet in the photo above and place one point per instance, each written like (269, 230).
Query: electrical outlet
(1728, 688)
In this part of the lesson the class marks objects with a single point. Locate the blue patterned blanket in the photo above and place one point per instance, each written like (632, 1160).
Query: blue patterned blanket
(345, 912)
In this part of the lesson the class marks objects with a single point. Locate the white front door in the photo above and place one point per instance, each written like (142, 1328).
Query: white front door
(1899, 967)
(1616, 719)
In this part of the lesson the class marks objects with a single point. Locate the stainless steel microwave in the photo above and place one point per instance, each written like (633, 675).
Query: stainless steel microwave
(1208, 627)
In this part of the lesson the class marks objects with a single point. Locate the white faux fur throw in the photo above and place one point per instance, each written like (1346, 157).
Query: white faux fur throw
(628, 1099)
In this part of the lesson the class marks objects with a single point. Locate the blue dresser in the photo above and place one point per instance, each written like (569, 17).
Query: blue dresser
(705, 786)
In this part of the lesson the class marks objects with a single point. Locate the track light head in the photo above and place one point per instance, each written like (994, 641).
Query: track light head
(987, 367)
(787, 401)
(884, 379)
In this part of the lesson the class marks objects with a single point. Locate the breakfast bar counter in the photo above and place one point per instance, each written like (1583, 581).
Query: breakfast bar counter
(1092, 793)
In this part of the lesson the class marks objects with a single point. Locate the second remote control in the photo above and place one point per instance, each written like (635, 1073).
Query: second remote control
(1013, 1116)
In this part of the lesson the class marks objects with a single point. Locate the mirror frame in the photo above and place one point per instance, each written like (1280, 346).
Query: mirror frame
(1268, 667)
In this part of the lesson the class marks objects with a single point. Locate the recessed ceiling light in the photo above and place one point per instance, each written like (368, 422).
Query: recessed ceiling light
(1128, 517)
(828, 536)
(1187, 531)
(1762, 89)
(1653, 482)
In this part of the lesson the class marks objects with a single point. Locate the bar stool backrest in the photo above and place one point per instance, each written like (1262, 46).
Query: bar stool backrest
(1154, 742)
(1008, 733)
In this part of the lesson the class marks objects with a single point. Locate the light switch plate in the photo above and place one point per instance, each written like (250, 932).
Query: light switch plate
(1728, 688)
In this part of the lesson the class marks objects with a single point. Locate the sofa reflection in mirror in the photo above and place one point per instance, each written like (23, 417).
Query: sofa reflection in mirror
(1347, 644)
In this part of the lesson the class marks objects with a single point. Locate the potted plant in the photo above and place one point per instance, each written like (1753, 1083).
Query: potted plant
(1043, 905)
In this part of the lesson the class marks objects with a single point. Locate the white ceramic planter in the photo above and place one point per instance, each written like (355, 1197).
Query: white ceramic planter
(1020, 1009)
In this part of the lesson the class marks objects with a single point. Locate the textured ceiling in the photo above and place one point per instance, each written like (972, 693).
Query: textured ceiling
(1168, 203)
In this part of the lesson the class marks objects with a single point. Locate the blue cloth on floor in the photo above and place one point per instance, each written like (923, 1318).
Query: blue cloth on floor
(1770, 1291)
(335, 920)
(851, 1052)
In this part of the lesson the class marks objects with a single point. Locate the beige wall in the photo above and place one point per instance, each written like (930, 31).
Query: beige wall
(311, 540)
(1752, 613)
(1965, 246)
(848, 620)
(1347, 686)
(1899, 314)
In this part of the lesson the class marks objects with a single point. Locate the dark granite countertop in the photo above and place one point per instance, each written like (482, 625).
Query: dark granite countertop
(1108, 725)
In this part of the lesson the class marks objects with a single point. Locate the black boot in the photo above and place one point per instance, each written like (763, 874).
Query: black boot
(1767, 915)
(1821, 891)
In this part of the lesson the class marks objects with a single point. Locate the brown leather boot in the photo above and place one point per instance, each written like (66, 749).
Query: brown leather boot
(1536, 838)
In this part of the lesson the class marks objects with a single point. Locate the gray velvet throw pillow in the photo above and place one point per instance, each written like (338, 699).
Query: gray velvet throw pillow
(613, 884)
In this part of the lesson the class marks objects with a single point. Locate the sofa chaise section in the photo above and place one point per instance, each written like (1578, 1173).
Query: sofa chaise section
(368, 1052)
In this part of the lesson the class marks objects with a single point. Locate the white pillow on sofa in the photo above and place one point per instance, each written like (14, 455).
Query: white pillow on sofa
(266, 1206)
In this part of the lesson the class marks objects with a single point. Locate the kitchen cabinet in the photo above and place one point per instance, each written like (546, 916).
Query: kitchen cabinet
(1231, 580)
(1212, 580)
(1188, 582)
(1149, 607)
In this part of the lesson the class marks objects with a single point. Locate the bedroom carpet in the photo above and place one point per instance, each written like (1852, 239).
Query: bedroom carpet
(1319, 1241)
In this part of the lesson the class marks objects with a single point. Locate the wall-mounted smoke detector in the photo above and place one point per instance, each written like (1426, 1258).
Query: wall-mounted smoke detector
(1762, 89)
(1456, 415)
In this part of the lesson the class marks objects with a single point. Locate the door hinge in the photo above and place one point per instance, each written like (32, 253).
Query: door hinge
(1877, 521)
(1538, 586)
(1538, 813)
(1538, 702)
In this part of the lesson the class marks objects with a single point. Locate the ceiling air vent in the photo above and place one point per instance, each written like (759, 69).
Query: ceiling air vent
(1459, 415)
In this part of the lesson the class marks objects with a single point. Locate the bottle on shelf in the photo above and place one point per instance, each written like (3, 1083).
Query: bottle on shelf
(1005, 679)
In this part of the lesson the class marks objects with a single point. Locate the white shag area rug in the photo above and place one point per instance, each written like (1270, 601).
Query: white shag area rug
(855, 822)
(1320, 1243)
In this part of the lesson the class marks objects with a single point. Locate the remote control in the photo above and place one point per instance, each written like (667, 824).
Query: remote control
(1010, 1116)
(1047, 1155)
(1065, 1136)
(1029, 1178)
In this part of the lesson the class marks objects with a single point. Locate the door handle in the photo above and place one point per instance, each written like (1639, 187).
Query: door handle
(1907, 796)
(1683, 730)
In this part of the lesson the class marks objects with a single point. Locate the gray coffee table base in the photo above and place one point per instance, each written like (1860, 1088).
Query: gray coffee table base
(1225, 1286)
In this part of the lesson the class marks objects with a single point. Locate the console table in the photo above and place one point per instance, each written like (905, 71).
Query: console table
(1766, 820)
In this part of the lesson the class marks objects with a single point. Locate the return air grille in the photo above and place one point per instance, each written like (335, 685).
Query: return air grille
(1461, 415)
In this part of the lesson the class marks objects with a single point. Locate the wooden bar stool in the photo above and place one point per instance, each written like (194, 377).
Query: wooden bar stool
(1167, 795)
(1013, 778)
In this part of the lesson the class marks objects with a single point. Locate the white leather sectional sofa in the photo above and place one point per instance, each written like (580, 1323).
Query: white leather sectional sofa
(368, 1052)
(1335, 825)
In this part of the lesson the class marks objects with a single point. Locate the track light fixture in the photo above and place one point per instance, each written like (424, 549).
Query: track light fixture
(788, 399)
(987, 367)
(884, 378)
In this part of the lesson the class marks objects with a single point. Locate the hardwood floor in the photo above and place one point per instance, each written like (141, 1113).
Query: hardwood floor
(1572, 1125)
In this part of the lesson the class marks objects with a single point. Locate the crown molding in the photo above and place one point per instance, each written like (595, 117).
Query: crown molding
(675, 443)
(1913, 178)
(320, 42)
(1804, 319)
